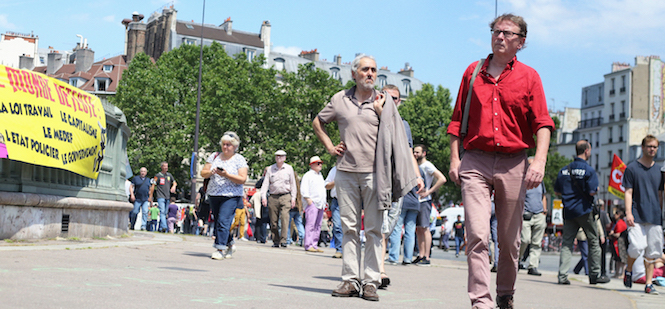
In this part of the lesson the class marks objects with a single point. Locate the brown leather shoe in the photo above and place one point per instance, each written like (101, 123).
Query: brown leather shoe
(369, 292)
(346, 289)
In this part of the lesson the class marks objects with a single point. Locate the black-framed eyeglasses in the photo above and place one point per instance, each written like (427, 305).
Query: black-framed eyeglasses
(506, 34)
(396, 99)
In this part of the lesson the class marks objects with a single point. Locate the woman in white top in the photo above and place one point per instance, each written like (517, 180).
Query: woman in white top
(227, 171)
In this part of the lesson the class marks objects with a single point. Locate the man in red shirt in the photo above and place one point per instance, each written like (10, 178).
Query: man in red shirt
(508, 107)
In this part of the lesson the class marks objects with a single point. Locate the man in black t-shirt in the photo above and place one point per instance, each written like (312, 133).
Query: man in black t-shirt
(160, 188)
(643, 181)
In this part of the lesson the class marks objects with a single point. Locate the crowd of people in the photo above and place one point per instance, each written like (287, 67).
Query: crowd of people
(381, 187)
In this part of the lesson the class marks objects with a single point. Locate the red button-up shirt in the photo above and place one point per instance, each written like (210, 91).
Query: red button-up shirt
(505, 113)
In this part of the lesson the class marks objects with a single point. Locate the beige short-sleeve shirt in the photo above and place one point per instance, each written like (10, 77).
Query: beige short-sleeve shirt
(358, 126)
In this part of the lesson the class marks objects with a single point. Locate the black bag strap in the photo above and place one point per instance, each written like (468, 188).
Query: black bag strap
(577, 185)
(467, 104)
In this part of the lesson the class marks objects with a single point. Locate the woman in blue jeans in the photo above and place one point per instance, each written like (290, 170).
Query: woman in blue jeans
(227, 171)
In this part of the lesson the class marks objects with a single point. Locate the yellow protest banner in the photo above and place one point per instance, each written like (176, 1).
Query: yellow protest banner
(45, 121)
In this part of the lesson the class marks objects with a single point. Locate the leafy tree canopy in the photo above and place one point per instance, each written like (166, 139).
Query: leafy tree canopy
(268, 113)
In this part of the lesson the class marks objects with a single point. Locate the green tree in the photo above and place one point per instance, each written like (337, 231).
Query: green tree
(150, 104)
(427, 112)
(159, 100)
(302, 95)
(555, 161)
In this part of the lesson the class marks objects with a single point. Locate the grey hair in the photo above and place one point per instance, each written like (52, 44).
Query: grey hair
(231, 137)
(356, 62)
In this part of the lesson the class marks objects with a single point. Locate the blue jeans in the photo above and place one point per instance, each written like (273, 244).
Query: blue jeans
(161, 203)
(493, 235)
(408, 219)
(224, 210)
(337, 225)
(297, 219)
(459, 241)
(584, 252)
(143, 206)
(153, 225)
(409, 233)
(394, 240)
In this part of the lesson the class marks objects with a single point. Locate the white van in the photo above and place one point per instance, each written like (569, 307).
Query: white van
(451, 214)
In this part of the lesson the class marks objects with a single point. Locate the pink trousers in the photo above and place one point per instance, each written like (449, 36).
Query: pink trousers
(313, 217)
(480, 172)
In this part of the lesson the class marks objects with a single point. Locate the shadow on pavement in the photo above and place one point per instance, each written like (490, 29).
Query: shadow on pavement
(328, 278)
(199, 254)
(183, 269)
(306, 289)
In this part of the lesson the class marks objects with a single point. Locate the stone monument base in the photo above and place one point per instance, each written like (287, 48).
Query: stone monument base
(35, 216)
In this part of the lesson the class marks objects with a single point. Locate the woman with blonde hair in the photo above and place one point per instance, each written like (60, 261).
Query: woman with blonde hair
(227, 171)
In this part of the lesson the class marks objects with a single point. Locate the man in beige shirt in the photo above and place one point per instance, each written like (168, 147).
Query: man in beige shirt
(358, 124)
(280, 181)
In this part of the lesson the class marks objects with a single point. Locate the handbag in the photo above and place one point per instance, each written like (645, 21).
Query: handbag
(527, 215)
(465, 116)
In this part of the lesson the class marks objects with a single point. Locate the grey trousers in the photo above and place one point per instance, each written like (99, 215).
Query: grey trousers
(570, 228)
(355, 193)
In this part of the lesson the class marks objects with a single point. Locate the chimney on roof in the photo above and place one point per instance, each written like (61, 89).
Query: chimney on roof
(136, 17)
(407, 70)
(264, 35)
(618, 66)
(54, 63)
(228, 26)
(311, 55)
(84, 59)
(338, 59)
(135, 38)
(26, 62)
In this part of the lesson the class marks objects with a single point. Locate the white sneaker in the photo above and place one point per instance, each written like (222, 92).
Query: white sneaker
(233, 248)
(228, 254)
(217, 255)
(244, 239)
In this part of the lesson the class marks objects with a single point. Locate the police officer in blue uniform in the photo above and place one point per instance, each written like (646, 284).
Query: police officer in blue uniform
(576, 184)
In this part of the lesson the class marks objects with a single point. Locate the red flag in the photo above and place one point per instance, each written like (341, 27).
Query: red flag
(616, 177)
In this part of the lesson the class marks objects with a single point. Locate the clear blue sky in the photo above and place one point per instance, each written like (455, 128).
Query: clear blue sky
(571, 43)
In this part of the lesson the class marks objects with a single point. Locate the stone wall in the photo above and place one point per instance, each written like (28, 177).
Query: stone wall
(34, 216)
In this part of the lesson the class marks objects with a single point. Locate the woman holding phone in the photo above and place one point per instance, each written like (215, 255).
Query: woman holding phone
(227, 171)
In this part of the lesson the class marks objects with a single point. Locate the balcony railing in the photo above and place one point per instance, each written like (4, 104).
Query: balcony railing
(612, 91)
(622, 115)
(622, 90)
(612, 117)
(590, 123)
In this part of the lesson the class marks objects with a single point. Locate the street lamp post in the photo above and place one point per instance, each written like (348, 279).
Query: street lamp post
(195, 161)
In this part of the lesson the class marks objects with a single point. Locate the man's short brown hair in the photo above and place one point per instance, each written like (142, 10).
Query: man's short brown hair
(648, 139)
(517, 20)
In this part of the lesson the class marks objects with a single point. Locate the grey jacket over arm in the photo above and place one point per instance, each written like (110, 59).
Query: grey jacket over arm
(393, 164)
